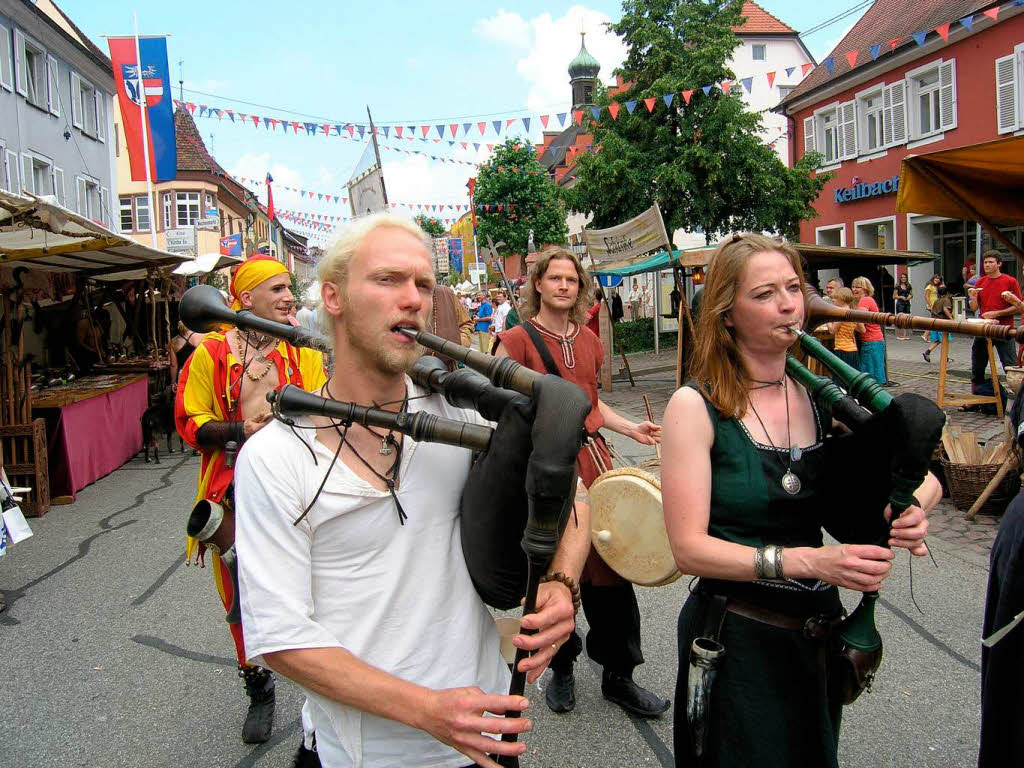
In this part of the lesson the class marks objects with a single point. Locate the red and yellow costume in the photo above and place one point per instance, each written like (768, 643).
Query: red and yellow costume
(209, 389)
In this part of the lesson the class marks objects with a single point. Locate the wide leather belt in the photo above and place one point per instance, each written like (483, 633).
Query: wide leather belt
(813, 627)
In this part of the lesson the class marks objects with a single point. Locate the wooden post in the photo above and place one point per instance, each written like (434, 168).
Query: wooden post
(604, 326)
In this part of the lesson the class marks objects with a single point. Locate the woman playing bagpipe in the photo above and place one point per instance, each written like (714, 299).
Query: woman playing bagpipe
(747, 489)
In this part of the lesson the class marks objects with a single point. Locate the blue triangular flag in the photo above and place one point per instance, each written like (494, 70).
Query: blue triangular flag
(232, 116)
(385, 128)
(451, 143)
(202, 110)
(308, 126)
(561, 118)
(339, 129)
(790, 71)
(411, 129)
(476, 146)
(875, 50)
(748, 83)
(668, 99)
(266, 122)
(526, 124)
(630, 106)
(465, 128)
(706, 89)
(919, 37)
(361, 129)
(596, 112)
(830, 65)
(967, 22)
(440, 131)
(497, 125)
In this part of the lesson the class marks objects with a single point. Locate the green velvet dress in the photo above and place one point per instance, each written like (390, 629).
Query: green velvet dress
(769, 705)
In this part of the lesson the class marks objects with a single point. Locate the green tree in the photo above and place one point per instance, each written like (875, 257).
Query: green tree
(704, 162)
(514, 195)
(431, 226)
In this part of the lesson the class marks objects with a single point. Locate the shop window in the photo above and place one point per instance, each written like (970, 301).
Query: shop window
(871, 130)
(127, 216)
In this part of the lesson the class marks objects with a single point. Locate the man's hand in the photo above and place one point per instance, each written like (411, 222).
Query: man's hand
(646, 432)
(455, 716)
(255, 424)
(992, 314)
(554, 621)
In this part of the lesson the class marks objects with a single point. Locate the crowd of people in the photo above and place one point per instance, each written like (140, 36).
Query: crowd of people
(348, 575)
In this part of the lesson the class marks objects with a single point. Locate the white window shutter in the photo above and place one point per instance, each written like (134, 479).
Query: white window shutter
(847, 114)
(12, 172)
(808, 134)
(101, 114)
(947, 94)
(58, 186)
(6, 60)
(81, 204)
(895, 119)
(27, 177)
(76, 100)
(19, 63)
(1007, 94)
(105, 206)
(52, 86)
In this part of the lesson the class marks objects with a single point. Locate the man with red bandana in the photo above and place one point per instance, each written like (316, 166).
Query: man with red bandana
(222, 399)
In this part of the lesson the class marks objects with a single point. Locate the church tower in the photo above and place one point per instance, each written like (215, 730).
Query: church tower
(583, 76)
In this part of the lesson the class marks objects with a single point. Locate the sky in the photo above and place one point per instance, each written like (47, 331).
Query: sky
(413, 63)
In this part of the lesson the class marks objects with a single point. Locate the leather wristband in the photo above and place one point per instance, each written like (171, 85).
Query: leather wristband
(570, 584)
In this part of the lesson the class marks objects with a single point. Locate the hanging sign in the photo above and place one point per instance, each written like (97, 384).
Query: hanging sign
(641, 234)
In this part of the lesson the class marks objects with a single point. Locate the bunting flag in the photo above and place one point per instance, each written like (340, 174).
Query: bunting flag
(919, 37)
(967, 22)
(851, 57)
(943, 30)
(649, 103)
(830, 65)
(876, 50)
(687, 95)
(748, 83)
(771, 81)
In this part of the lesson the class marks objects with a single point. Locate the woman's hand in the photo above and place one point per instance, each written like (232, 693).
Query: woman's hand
(861, 567)
(909, 530)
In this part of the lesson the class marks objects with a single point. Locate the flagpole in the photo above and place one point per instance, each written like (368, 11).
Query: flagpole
(153, 210)
(376, 152)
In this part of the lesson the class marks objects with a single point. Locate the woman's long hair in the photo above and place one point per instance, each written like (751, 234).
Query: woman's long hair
(717, 365)
(529, 304)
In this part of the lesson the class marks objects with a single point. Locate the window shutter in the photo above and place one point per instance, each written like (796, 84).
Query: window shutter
(27, 176)
(894, 104)
(101, 114)
(808, 134)
(1007, 94)
(847, 114)
(19, 63)
(12, 171)
(947, 94)
(105, 206)
(52, 86)
(76, 100)
(58, 185)
(82, 205)
(6, 73)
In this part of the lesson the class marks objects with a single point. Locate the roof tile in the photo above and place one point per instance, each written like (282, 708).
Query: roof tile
(758, 21)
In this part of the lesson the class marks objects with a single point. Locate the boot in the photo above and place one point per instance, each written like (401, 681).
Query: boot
(259, 687)
(560, 694)
(620, 689)
(306, 758)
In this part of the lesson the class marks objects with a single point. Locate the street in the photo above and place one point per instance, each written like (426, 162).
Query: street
(117, 655)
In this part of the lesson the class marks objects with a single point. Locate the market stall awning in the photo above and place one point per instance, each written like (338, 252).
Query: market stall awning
(38, 233)
(815, 256)
(205, 263)
(981, 183)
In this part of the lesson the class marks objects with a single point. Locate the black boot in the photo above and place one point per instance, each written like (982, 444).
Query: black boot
(306, 758)
(621, 690)
(259, 687)
(560, 694)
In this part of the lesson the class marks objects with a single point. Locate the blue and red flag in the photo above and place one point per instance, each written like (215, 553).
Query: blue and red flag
(156, 90)
(231, 245)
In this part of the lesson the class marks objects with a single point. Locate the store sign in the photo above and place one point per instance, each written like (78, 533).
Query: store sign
(209, 224)
(181, 240)
(866, 189)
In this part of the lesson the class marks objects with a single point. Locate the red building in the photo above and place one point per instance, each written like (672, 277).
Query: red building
(961, 86)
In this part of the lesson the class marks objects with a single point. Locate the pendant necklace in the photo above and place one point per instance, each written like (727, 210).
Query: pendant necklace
(790, 482)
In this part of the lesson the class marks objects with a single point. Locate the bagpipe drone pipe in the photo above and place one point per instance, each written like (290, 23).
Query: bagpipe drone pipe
(881, 461)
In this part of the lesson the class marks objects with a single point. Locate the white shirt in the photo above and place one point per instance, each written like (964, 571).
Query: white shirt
(349, 575)
(500, 313)
(306, 317)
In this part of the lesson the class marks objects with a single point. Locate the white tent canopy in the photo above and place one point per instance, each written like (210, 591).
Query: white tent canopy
(207, 262)
(38, 233)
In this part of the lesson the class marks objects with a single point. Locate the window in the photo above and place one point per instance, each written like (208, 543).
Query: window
(208, 199)
(832, 131)
(30, 73)
(8, 169)
(89, 198)
(6, 65)
(142, 213)
(785, 90)
(828, 126)
(931, 99)
(1008, 91)
(758, 51)
(127, 218)
(871, 131)
(168, 205)
(36, 174)
(187, 208)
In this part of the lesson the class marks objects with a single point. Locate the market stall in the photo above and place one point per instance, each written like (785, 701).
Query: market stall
(70, 397)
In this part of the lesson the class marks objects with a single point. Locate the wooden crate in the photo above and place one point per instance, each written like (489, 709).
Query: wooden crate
(24, 455)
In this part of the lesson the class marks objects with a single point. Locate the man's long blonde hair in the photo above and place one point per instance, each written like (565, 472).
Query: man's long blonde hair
(529, 303)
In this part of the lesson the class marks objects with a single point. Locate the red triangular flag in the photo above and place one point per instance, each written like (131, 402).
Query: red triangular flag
(805, 68)
(482, 127)
(490, 147)
(992, 13)
(424, 128)
(465, 145)
(398, 131)
(327, 130)
(943, 30)
(255, 120)
(453, 127)
(544, 120)
(687, 95)
(577, 115)
(894, 42)
(613, 110)
(649, 103)
(725, 85)
(508, 123)
(851, 56)
(771, 79)
(295, 127)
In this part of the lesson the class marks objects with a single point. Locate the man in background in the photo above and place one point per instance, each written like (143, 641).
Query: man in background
(484, 318)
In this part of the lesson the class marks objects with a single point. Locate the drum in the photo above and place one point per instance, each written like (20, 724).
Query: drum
(1014, 376)
(628, 526)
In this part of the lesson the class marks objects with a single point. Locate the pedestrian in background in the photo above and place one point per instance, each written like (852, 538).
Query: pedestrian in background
(902, 294)
(872, 342)
(931, 291)
(484, 318)
(846, 332)
(987, 300)
(942, 309)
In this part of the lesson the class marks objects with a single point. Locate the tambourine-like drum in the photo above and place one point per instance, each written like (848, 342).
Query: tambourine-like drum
(628, 526)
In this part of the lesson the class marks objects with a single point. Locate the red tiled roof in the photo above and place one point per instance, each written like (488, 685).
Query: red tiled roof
(884, 21)
(758, 21)
(192, 152)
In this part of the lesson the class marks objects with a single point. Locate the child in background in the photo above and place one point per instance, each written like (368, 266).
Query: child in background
(942, 308)
(846, 341)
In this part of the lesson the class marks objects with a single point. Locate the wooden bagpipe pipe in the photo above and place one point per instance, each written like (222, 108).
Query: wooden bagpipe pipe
(520, 489)
(882, 461)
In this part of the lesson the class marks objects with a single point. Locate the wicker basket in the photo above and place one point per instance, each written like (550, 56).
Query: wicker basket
(967, 481)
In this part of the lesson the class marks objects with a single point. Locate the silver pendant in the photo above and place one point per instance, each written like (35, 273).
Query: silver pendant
(790, 483)
(385, 449)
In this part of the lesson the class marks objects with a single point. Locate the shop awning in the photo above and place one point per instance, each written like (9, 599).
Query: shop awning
(981, 182)
(38, 233)
(654, 262)
(205, 263)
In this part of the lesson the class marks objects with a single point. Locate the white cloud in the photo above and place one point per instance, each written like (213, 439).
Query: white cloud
(549, 45)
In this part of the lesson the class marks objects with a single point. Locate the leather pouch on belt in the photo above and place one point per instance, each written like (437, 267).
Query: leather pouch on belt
(851, 672)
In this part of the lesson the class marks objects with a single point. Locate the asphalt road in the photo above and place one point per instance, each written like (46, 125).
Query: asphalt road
(112, 653)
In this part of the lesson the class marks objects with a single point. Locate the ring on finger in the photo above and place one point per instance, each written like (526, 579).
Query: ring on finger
(554, 646)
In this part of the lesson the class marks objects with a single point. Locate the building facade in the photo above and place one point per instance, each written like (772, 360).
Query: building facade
(56, 96)
(948, 92)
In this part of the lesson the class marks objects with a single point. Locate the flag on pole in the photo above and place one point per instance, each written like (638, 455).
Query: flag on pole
(270, 197)
(155, 95)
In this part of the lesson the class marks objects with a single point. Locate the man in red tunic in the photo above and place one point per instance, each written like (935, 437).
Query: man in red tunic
(555, 301)
(986, 298)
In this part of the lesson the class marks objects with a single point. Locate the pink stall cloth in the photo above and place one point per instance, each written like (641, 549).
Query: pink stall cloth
(96, 436)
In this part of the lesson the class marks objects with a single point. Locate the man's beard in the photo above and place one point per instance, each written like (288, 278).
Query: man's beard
(380, 356)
